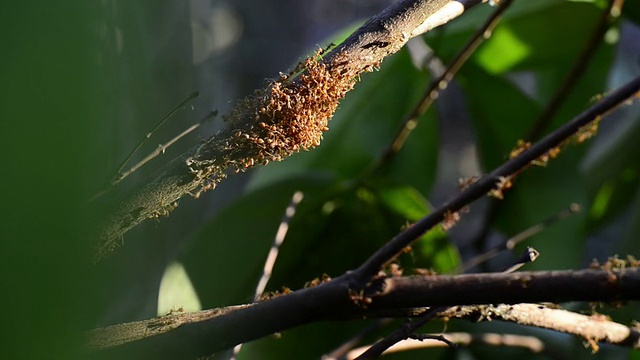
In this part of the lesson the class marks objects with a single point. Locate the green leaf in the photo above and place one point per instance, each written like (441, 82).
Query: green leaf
(433, 249)
(405, 201)
(501, 114)
(522, 42)
(176, 291)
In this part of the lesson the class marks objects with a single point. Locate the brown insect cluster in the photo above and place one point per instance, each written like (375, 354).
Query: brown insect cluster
(292, 114)
(289, 116)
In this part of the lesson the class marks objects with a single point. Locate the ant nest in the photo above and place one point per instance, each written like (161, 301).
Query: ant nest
(292, 113)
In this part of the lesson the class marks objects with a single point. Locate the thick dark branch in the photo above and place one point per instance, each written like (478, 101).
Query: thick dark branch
(187, 336)
(289, 116)
(468, 289)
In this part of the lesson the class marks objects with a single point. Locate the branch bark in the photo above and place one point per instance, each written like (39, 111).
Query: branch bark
(192, 335)
(289, 116)
(593, 329)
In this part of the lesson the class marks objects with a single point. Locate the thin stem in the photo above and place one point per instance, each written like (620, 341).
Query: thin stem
(531, 343)
(345, 349)
(493, 180)
(577, 70)
(277, 242)
(273, 254)
(520, 237)
(438, 85)
(163, 147)
(159, 150)
(189, 97)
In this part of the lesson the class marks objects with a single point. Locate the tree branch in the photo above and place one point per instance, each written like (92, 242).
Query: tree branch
(496, 180)
(594, 329)
(289, 116)
(192, 335)
(530, 343)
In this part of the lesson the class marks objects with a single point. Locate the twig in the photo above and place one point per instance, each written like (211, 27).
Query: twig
(273, 253)
(529, 255)
(593, 328)
(530, 343)
(277, 242)
(159, 150)
(492, 181)
(118, 177)
(163, 147)
(609, 15)
(344, 349)
(409, 328)
(520, 237)
(438, 85)
(400, 334)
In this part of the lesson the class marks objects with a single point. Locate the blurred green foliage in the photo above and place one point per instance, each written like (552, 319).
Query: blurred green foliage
(49, 105)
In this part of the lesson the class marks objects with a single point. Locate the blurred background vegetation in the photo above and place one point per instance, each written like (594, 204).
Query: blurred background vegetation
(83, 82)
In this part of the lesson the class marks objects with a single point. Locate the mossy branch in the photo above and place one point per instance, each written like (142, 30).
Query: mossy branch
(290, 115)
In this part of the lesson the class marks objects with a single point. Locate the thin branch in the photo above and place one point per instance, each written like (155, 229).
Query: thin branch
(592, 328)
(344, 349)
(402, 333)
(119, 175)
(520, 237)
(493, 181)
(438, 85)
(163, 147)
(609, 16)
(533, 344)
(273, 253)
(289, 116)
(192, 335)
(277, 242)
